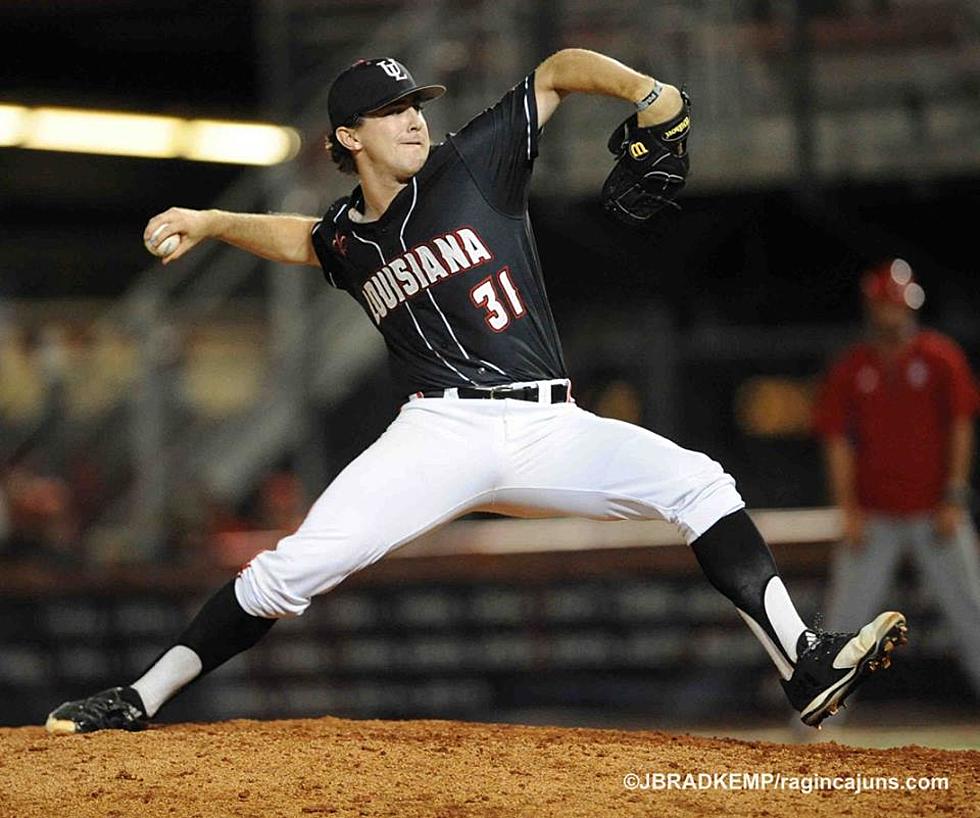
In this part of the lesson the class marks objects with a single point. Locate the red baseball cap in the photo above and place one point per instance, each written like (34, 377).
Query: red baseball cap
(892, 282)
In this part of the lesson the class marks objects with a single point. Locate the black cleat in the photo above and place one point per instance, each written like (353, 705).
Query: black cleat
(118, 708)
(830, 666)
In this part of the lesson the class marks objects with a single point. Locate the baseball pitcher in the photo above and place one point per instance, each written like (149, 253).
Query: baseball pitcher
(436, 246)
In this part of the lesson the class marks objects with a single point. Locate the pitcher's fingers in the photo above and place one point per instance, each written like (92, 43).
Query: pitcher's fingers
(185, 245)
(169, 216)
(158, 235)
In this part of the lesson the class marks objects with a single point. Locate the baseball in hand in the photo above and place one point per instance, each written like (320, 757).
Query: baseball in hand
(165, 247)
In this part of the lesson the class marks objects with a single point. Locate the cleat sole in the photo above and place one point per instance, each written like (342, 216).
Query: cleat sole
(878, 658)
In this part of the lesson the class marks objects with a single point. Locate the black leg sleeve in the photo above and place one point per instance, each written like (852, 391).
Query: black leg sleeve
(222, 629)
(737, 561)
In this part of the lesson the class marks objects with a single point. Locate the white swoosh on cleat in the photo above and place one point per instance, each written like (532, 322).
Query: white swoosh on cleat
(867, 639)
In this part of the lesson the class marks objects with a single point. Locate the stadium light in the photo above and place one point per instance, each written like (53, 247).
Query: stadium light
(12, 120)
(244, 143)
(105, 132)
(114, 133)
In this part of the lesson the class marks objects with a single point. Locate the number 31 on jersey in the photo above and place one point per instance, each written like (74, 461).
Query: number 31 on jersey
(486, 295)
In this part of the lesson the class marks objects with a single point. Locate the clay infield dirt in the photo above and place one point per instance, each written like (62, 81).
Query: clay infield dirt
(335, 767)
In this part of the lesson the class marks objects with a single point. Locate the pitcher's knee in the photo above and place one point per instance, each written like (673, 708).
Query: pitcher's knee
(713, 495)
(281, 583)
(261, 591)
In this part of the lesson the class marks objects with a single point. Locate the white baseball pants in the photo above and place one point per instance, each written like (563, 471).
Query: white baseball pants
(442, 458)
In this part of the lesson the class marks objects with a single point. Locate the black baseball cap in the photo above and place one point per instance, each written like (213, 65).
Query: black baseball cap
(369, 85)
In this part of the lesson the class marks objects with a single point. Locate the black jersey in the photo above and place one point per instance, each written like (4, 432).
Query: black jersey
(450, 272)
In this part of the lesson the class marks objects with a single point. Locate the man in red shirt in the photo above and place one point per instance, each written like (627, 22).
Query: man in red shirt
(896, 417)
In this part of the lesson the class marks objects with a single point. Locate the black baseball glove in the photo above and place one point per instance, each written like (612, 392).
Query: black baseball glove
(651, 167)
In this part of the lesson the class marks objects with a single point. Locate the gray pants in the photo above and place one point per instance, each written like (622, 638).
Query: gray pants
(860, 579)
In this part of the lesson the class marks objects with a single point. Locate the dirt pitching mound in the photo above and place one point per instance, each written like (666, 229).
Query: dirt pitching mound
(335, 767)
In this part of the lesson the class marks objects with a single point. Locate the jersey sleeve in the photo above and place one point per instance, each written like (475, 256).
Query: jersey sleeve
(832, 407)
(322, 234)
(499, 146)
(964, 399)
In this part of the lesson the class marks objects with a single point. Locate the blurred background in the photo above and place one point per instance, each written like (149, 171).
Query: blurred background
(159, 425)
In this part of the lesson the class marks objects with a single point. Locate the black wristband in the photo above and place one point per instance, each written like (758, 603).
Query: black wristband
(650, 98)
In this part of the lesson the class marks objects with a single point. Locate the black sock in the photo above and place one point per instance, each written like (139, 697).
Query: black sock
(128, 694)
(222, 629)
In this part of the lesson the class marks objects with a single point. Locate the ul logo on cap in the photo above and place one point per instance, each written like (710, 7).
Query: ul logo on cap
(393, 70)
